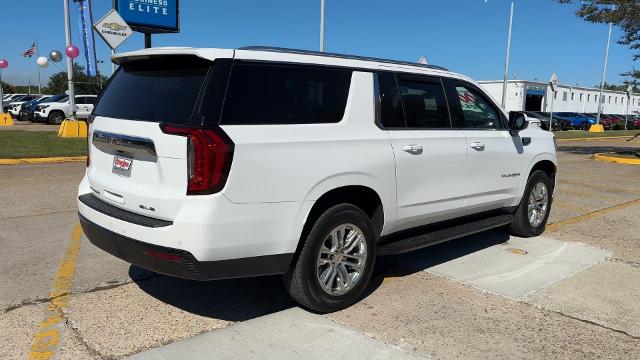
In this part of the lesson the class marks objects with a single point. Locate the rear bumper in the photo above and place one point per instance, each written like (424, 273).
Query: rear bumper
(181, 263)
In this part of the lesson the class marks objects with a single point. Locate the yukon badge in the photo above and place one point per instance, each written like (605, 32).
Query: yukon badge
(510, 175)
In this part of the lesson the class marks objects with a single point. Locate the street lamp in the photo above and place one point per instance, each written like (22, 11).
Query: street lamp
(506, 63)
(321, 25)
(553, 83)
(604, 74)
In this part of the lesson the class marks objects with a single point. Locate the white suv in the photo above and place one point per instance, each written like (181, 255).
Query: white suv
(56, 112)
(210, 164)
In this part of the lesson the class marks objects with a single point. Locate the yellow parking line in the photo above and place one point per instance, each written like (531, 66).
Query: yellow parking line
(46, 341)
(609, 157)
(42, 160)
(597, 138)
(589, 216)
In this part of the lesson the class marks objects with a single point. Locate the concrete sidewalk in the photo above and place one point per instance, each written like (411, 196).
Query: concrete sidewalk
(288, 334)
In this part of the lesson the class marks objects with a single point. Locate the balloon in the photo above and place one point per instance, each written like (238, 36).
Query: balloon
(55, 56)
(4, 64)
(72, 51)
(43, 62)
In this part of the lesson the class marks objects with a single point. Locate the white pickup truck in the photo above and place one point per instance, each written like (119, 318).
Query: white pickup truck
(220, 163)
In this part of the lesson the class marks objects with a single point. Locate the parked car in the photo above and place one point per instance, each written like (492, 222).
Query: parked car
(558, 124)
(210, 163)
(14, 107)
(27, 112)
(577, 121)
(55, 112)
(9, 99)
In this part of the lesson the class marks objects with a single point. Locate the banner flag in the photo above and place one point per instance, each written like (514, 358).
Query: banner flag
(85, 22)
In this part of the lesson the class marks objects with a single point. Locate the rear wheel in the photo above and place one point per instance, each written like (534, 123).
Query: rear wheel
(56, 118)
(532, 214)
(585, 126)
(335, 264)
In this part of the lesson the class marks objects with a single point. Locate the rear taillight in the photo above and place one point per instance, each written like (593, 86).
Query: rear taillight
(209, 155)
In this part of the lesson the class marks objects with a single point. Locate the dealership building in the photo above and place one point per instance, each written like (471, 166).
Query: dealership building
(536, 96)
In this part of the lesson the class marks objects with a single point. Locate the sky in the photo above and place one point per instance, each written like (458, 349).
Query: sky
(466, 36)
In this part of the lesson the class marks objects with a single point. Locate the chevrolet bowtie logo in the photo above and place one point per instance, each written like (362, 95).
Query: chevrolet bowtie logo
(114, 26)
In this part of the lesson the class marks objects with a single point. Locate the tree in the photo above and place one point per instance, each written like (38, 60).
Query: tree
(626, 15)
(83, 84)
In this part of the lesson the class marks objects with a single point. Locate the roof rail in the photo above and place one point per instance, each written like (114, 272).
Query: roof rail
(341, 56)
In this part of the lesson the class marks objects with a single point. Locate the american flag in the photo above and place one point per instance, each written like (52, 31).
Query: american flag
(31, 51)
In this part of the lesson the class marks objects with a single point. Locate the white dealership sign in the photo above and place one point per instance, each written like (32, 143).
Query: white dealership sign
(113, 29)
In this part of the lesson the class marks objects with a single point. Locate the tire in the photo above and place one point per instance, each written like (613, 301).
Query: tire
(303, 279)
(585, 126)
(56, 118)
(521, 225)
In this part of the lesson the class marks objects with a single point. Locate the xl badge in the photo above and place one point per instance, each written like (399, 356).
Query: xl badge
(122, 166)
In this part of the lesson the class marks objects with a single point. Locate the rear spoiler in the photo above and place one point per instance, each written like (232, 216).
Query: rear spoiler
(207, 54)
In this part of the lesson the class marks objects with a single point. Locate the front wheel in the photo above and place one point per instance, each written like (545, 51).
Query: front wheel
(56, 118)
(586, 126)
(336, 262)
(532, 214)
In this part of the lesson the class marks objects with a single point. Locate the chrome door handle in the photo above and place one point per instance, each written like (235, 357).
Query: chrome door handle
(477, 146)
(413, 149)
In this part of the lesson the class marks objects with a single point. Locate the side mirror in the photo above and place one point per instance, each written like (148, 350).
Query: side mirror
(517, 122)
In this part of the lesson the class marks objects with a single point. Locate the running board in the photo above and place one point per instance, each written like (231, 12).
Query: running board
(405, 245)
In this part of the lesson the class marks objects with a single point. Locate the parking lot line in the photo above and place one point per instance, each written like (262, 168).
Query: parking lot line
(46, 341)
(47, 160)
(594, 214)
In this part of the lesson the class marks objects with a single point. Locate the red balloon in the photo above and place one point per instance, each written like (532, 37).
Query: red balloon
(72, 51)
(4, 64)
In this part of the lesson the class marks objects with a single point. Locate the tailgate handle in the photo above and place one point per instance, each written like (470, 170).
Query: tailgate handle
(110, 142)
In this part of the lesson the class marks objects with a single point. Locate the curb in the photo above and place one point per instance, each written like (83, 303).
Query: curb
(597, 138)
(47, 160)
(619, 160)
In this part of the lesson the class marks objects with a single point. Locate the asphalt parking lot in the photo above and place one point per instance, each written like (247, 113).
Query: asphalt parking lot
(571, 293)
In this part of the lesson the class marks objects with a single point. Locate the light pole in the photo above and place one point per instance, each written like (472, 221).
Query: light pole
(604, 72)
(553, 83)
(67, 33)
(506, 63)
(321, 25)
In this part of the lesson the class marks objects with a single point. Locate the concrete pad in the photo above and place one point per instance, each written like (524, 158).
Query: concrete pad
(616, 231)
(520, 266)
(289, 334)
(447, 320)
(606, 294)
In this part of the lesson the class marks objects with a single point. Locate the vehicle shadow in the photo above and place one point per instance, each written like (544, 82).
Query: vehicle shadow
(231, 300)
(244, 299)
(423, 259)
(590, 150)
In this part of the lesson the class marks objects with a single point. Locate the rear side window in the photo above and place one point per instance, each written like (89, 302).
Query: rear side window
(391, 113)
(260, 93)
(156, 89)
(425, 104)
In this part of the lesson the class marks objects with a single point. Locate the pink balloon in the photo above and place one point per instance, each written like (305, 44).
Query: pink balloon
(72, 51)
(4, 64)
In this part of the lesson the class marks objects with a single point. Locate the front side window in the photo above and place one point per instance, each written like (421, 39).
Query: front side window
(478, 112)
(425, 104)
(269, 94)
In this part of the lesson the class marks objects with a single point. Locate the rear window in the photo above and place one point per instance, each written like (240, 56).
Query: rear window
(260, 93)
(157, 89)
